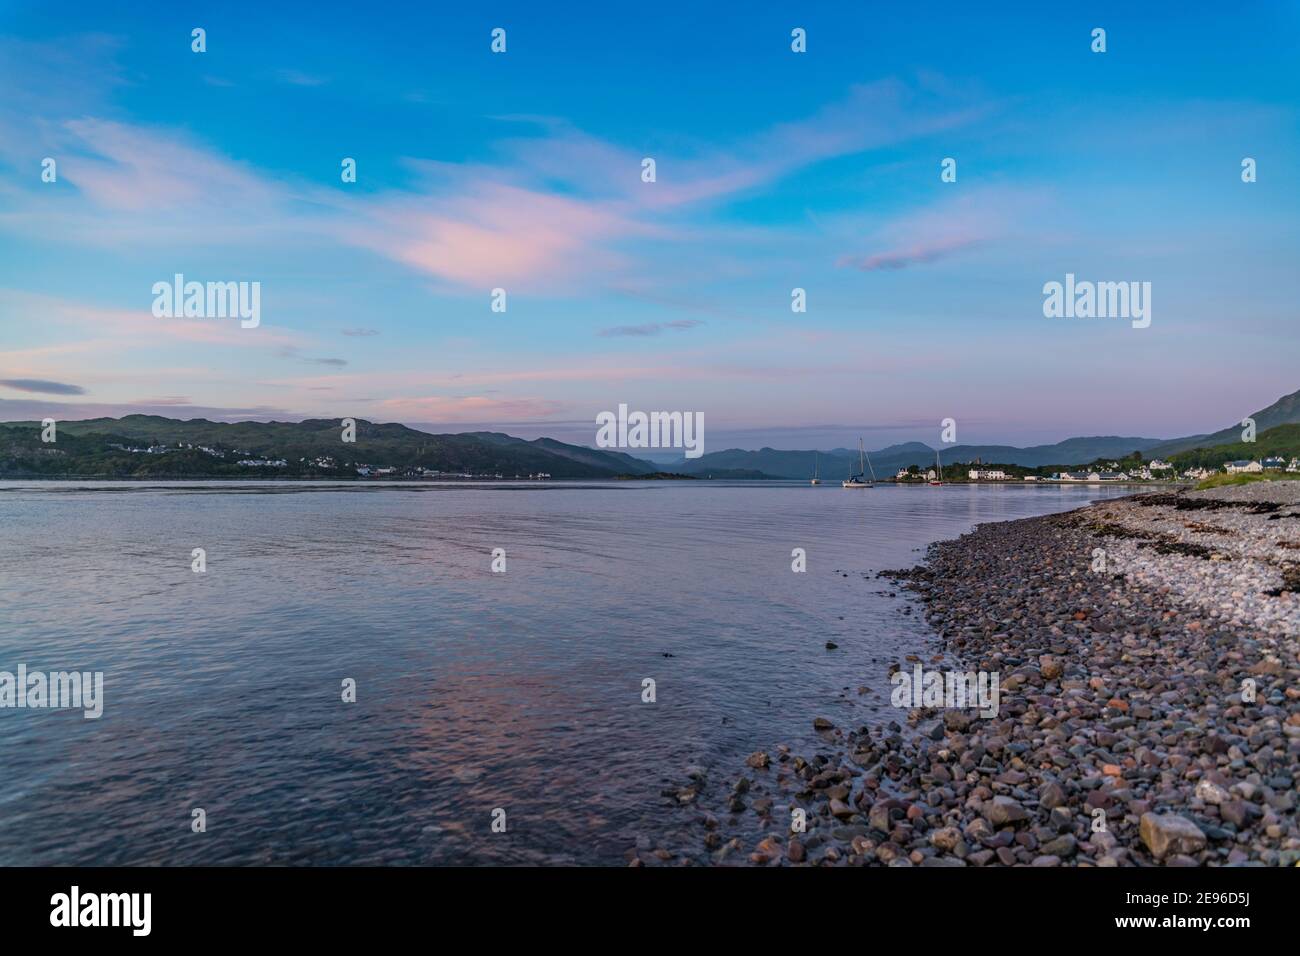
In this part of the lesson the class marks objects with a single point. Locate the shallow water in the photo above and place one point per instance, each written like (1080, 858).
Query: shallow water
(475, 690)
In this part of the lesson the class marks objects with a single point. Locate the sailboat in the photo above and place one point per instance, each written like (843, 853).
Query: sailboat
(938, 479)
(860, 479)
(815, 480)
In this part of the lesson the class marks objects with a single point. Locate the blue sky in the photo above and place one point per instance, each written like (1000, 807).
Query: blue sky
(775, 170)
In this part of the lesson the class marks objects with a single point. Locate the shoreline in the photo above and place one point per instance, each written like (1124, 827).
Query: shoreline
(1122, 736)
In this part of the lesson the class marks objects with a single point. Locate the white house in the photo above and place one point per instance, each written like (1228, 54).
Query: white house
(1155, 464)
(1242, 467)
(1273, 464)
(986, 475)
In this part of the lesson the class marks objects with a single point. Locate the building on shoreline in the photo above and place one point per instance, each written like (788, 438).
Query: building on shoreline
(1091, 476)
(1243, 467)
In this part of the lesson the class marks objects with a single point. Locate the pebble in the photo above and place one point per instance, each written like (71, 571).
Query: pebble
(1126, 691)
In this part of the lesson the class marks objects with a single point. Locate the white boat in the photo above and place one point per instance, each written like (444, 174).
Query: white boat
(860, 479)
(815, 479)
(939, 479)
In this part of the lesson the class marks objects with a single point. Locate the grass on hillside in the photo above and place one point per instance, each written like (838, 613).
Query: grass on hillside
(1220, 481)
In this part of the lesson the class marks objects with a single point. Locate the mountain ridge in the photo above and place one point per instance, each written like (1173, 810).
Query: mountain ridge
(393, 445)
(313, 448)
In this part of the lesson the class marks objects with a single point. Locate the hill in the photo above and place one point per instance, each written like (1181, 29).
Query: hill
(151, 446)
(1285, 411)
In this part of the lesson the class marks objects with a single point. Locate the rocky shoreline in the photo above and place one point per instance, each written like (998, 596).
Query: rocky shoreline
(1149, 708)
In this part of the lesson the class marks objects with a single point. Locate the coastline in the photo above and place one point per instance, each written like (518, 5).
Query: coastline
(1124, 736)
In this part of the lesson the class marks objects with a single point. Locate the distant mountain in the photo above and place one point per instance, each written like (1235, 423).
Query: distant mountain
(838, 463)
(1285, 411)
(119, 447)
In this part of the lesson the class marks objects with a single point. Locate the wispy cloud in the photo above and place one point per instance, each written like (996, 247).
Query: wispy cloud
(947, 228)
(564, 203)
(42, 386)
(298, 78)
(163, 400)
(909, 255)
(295, 353)
(650, 328)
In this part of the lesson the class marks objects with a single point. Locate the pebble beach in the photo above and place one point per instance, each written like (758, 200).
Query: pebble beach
(1149, 708)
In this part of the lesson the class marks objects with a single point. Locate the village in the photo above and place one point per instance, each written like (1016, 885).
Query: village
(1154, 470)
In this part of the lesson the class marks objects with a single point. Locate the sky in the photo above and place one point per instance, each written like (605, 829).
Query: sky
(774, 170)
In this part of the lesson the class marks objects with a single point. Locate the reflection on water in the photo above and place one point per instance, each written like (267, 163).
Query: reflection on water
(475, 690)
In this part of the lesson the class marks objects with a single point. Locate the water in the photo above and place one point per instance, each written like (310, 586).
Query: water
(475, 691)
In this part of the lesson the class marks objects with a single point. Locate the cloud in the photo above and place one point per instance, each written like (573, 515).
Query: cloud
(548, 210)
(561, 205)
(293, 352)
(868, 116)
(911, 255)
(163, 400)
(650, 328)
(297, 78)
(128, 167)
(360, 333)
(97, 330)
(947, 228)
(42, 386)
(491, 234)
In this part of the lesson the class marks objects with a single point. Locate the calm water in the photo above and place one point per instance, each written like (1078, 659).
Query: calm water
(475, 690)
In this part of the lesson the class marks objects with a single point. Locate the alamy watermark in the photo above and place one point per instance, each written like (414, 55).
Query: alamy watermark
(950, 689)
(1098, 300)
(129, 910)
(210, 300)
(57, 690)
(651, 430)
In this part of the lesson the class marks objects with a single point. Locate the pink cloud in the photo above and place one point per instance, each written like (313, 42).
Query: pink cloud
(497, 235)
(492, 225)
